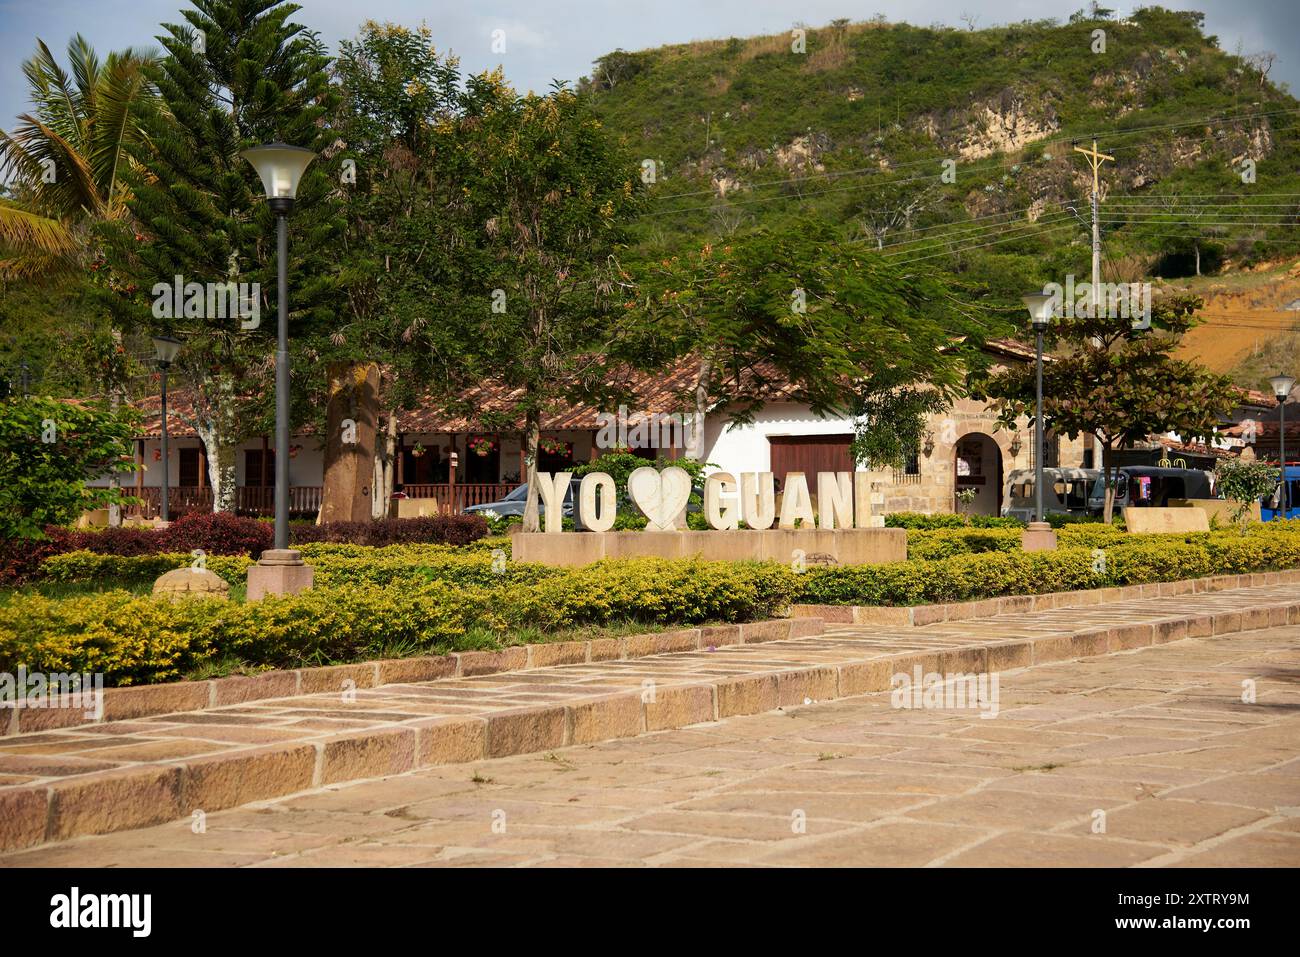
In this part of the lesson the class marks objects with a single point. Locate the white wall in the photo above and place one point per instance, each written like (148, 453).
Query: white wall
(746, 448)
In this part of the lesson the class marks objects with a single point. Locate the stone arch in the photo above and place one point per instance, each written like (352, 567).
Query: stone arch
(978, 463)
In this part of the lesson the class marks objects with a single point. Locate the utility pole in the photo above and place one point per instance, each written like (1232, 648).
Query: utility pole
(1095, 159)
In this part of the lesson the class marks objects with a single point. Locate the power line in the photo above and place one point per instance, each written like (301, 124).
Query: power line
(988, 232)
(948, 252)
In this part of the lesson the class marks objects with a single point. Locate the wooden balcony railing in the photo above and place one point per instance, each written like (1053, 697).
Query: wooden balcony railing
(466, 493)
(304, 500)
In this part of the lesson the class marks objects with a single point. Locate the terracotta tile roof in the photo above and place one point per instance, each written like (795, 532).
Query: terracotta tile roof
(663, 391)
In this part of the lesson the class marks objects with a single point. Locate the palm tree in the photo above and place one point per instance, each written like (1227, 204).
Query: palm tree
(65, 159)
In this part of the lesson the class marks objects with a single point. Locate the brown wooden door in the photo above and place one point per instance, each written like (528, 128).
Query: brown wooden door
(810, 454)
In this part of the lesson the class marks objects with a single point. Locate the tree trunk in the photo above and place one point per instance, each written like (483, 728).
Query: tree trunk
(701, 407)
(221, 455)
(350, 421)
(1110, 475)
(532, 433)
(115, 483)
(385, 470)
(1197, 247)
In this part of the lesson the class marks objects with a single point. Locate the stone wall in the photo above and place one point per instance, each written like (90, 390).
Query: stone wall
(932, 490)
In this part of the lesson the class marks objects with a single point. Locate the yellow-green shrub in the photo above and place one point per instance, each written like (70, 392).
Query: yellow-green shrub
(83, 566)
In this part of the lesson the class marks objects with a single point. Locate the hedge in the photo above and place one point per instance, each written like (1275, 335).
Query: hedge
(438, 529)
(928, 521)
(429, 598)
(83, 566)
(215, 533)
(1128, 561)
(219, 533)
(133, 639)
(334, 564)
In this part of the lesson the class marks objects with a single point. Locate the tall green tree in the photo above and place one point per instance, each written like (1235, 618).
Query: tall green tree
(394, 88)
(1118, 380)
(237, 73)
(534, 196)
(797, 314)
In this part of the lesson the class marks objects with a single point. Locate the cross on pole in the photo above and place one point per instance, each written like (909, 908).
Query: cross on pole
(1095, 159)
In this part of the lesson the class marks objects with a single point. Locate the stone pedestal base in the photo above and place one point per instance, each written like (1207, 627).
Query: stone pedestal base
(845, 546)
(1038, 537)
(278, 572)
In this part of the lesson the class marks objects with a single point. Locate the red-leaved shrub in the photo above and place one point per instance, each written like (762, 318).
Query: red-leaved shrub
(440, 529)
(217, 533)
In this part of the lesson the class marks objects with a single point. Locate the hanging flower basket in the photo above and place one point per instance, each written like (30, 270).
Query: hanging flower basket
(555, 447)
(481, 445)
(417, 450)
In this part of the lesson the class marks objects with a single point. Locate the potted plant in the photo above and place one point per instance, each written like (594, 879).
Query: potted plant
(481, 445)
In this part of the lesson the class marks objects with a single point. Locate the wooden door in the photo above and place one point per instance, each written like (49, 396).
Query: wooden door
(810, 454)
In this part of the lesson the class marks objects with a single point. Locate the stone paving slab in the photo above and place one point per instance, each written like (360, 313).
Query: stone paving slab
(1071, 773)
(129, 774)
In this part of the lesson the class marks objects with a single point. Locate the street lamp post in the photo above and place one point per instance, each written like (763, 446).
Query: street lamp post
(1038, 536)
(165, 350)
(1282, 386)
(281, 168)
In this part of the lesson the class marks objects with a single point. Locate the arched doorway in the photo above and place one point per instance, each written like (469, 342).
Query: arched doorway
(977, 464)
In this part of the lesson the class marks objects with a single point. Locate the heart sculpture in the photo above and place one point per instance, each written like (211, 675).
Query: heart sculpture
(660, 495)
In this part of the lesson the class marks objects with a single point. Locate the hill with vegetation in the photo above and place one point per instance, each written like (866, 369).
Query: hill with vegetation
(953, 149)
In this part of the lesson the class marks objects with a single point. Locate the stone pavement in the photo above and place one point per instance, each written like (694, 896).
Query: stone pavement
(1155, 745)
(1158, 740)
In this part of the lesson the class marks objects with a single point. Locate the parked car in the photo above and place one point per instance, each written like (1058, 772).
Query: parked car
(514, 502)
(1270, 508)
(1065, 492)
(1151, 486)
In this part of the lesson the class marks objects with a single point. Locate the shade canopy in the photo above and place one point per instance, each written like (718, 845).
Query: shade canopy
(1039, 305)
(1282, 386)
(280, 166)
(165, 349)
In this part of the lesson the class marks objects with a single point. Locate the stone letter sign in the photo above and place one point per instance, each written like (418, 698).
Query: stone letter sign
(844, 500)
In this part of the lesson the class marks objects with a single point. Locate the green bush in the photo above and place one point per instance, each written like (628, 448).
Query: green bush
(956, 578)
(932, 544)
(83, 566)
(1088, 557)
(925, 521)
(649, 590)
(133, 639)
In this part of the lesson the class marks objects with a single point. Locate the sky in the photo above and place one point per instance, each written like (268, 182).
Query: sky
(559, 39)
